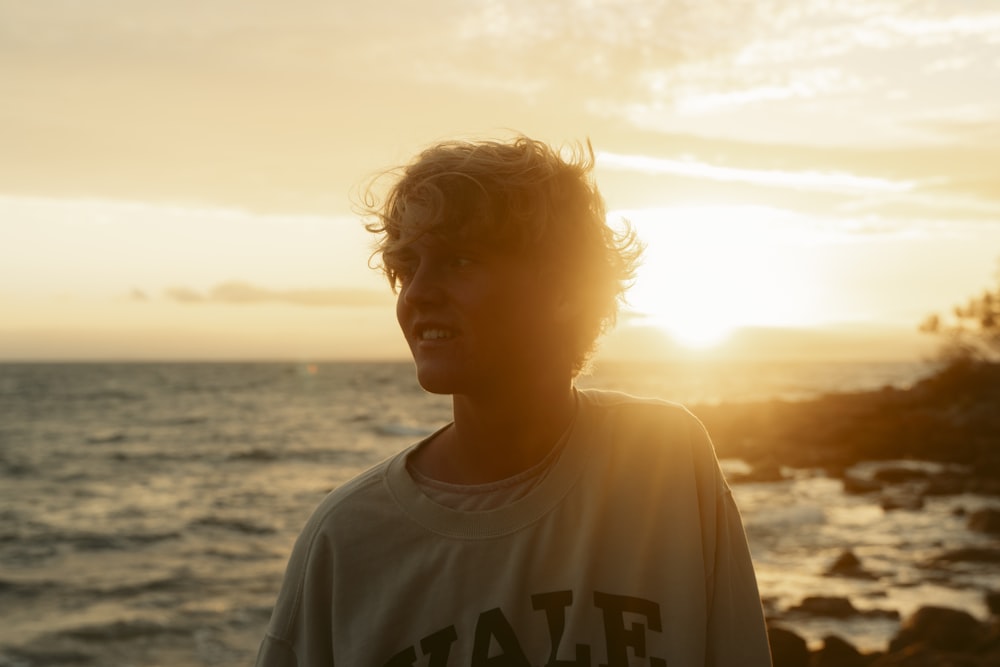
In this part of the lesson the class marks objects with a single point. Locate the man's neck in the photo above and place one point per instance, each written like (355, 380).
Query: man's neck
(498, 436)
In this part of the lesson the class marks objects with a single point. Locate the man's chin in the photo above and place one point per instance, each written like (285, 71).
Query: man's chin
(435, 389)
(436, 382)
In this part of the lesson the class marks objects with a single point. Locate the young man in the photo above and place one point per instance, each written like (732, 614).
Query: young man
(545, 525)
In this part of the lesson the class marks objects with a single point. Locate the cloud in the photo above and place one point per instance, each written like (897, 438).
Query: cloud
(184, 295)
(808, 180)
(242, 293)
(793, 84)
(182, 89)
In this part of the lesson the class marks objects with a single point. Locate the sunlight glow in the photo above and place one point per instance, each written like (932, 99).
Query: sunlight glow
(711, 269)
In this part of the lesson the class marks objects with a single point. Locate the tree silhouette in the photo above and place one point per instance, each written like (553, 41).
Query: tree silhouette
(972, 332)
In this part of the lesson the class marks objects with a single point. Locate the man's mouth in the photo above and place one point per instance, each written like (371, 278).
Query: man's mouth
(435, 333)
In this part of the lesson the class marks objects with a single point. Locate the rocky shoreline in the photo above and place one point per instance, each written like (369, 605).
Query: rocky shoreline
(940, 437)
(931, 637)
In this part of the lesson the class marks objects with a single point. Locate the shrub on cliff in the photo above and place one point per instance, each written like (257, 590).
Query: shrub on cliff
(972, 331)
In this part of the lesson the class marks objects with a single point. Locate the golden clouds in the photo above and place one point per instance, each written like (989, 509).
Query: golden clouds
(242, 293)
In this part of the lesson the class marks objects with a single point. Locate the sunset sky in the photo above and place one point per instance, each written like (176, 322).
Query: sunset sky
(812, 178)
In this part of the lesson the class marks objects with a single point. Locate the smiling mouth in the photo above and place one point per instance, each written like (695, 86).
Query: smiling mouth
(436, 334)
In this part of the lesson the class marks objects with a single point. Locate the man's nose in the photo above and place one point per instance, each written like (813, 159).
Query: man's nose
(423, 286)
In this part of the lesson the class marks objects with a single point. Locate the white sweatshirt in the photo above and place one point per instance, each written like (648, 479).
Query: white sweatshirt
(629, 552)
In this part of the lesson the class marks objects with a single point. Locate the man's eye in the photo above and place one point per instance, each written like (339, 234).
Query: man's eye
(400, 265)
(402, 270)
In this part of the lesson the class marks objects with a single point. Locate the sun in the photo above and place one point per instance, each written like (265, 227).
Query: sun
(710, 270)
(694, 335)
(690, 305)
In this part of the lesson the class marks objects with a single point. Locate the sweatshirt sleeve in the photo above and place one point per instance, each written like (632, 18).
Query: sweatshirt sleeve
(300, 631)
(737, 633)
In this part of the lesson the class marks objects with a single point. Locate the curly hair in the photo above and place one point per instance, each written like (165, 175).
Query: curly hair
(520, 196)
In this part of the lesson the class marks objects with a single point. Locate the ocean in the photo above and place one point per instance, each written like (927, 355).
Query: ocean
(147, 510)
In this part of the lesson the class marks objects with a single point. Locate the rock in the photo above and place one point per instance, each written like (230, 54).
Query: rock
(902, 500)
(767, 469)
(985, 521)
(848, 565)
(787, 648)
(920, 655)
(945, 486)
(890, 614)
(970, 555)
(856, 486)
(993, 602)
(941, 628)
(838, 607)
(837, 652)
(821, 605)
(899, 475)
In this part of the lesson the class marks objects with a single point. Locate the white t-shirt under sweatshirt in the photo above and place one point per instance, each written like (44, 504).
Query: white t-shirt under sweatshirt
(626, 549)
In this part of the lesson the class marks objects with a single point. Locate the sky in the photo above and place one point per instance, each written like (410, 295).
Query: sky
(178, 179)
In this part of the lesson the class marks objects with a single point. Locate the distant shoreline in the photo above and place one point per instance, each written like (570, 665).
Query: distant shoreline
(949, 416)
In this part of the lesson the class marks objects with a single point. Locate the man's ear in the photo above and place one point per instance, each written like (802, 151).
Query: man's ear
(565, 301)
(568, 305)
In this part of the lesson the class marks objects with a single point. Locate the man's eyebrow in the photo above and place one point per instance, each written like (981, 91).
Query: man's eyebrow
(466, 244)
(400, 256)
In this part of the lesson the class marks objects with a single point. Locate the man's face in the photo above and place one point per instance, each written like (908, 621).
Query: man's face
(477, 319)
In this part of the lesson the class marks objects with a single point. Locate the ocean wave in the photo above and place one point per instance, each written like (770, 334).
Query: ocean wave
(391, 429)
(123, 629)
(101, 542)
(236, 525)
(192, 420)
(34, 542)
(786, 518)
(17, 469)
(340, 456)
(253, 455)
(106, 438)
(173, 582)
(179, 581)
(29, 656)
(236, 555)
(26, 589)
(92, 541)
(112, 395)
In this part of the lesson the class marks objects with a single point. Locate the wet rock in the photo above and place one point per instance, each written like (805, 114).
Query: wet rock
(900, 475)
(831, 606)
(787, 648)
(940, 628)
(848, 565)
(48, 655)
(838, 607)
(985, 521)
(902, 500)
(766, 470)
(921, 655)
(950, 417)
(857, 486)
(970, 555)
(950, 485)
(993, 602)
(837, 652)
